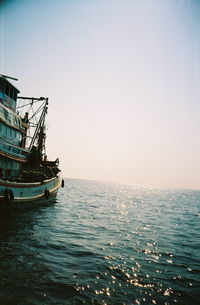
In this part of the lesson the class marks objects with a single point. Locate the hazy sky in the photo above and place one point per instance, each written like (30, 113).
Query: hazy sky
(123, 79)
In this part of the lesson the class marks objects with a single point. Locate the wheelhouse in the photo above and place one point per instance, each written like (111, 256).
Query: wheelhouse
(11, 132)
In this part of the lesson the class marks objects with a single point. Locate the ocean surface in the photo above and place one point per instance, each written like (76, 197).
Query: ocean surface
(101, 243)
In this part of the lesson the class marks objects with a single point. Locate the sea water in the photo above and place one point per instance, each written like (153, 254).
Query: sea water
(101, 243)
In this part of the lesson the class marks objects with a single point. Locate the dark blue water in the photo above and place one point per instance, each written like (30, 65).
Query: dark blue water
(101, 243)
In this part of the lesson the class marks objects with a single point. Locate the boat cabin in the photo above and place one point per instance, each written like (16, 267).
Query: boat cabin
(11, 132)
(8, 93)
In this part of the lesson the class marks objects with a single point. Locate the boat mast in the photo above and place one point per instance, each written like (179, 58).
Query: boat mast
(39, 134)
(40, 128)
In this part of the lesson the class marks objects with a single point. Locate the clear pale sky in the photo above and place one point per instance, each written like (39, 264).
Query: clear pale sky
(123, 79)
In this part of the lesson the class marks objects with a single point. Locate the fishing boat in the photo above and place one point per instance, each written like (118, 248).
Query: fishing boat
(26, 174)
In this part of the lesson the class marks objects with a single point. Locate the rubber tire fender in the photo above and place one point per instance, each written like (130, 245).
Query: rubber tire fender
(8, 195)
(46, 194)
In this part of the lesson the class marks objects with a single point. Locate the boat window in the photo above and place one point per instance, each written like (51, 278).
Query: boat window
(2, 86)
(15, 95)
(7, 90)
(11, 92)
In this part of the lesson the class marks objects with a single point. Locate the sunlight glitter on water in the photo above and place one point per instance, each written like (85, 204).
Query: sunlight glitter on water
(103, 244)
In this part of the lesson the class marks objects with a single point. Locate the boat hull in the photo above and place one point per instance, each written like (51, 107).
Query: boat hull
(24, 192)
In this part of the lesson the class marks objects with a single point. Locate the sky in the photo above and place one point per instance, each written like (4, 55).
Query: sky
(122, 77)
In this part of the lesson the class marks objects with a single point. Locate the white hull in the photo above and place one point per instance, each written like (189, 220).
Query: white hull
(23, 192)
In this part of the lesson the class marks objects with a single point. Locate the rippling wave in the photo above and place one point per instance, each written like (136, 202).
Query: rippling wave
(101, 243)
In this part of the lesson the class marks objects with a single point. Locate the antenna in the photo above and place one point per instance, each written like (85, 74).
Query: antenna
(5, 76)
